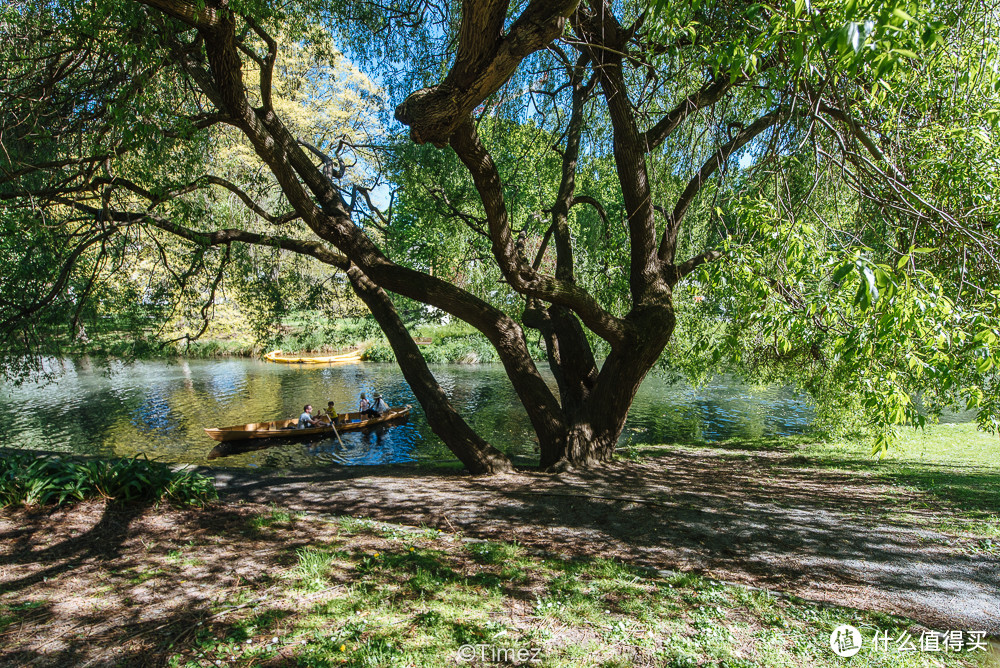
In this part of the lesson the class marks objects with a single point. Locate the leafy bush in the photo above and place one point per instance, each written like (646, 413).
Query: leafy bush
(379, 352)
(212, 348)
(454, 343)
(30, 480)
(450, 349)
(452, 330)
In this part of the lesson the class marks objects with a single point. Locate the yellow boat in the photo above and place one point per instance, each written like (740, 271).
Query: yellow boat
(286, 428)
(348, 357)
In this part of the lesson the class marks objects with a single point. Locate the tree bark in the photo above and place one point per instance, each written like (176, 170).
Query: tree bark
(486, 59)
(583, 426)
(596, 424)
(471, 449)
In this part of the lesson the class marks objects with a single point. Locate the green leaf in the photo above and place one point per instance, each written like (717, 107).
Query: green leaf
(886, 65)
(842, 271)
(862, 297)
(882, 279)
(872, 284)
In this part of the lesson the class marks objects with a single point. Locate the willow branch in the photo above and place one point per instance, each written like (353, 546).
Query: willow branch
(707, 95)
(668, 243)
(587, 199)
(249, 202)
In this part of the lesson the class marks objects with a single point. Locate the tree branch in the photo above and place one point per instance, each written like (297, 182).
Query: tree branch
(485, 61)
(8, 324)
(216, 238)
(587, 199)
(570, 157)
(267, 66)
(710, 93)
(603, 39)
(519, 274)
(196, 14)
(249, 202)
(477, 455)
(685, 268)
(668, 243)
(472, 222)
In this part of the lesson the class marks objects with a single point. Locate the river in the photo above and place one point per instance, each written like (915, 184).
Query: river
(159, 408)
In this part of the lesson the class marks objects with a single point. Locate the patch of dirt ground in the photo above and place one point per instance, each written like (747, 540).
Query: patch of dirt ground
(759, 519)
(98, 583)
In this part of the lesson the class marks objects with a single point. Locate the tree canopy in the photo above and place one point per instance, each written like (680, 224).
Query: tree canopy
(799, 189)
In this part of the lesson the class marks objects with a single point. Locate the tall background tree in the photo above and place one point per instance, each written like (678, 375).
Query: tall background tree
(803, 183)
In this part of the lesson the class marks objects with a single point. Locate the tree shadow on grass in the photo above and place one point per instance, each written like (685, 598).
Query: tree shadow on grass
(967, 487)
(969, 490)
(760, 444)
(819, 532)
(121, 592)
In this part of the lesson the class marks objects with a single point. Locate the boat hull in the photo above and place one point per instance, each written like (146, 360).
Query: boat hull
(286, 428)
(345, 358)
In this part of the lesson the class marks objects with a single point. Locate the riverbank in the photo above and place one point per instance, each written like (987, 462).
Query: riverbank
(659, 559)
(304, 332)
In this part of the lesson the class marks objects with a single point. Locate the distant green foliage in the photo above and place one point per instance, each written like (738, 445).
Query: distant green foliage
(465, 350)
(37, 481)
(454, 343)
(214, 348)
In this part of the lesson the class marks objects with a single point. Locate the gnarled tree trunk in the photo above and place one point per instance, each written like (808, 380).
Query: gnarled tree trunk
(582, 426)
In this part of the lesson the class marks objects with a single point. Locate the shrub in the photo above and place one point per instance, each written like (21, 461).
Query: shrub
(31, 480)
(379, 352)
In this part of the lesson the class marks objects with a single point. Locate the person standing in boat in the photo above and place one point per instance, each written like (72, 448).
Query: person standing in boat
(306, 419)
(379, 406)
(363, 405)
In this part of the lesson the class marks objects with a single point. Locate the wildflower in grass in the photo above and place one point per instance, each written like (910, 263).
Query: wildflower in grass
(343, 648)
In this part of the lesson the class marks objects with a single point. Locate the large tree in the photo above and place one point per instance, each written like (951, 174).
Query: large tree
(772, 153)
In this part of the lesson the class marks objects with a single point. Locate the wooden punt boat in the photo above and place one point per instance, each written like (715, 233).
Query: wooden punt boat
(281, 358)
(286, 428)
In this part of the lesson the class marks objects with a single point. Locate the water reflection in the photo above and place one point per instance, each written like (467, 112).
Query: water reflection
(160, 409)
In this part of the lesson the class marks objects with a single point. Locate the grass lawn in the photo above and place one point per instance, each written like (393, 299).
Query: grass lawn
(955, 464)
(343, 591)
(245, 584)
(954, 467)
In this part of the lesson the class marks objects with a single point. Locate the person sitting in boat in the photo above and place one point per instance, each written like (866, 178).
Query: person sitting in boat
(378, 407)
(306, 419)
(331, 413)
(363, 405)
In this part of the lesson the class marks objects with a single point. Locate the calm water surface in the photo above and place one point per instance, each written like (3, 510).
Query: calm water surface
(160, 408)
